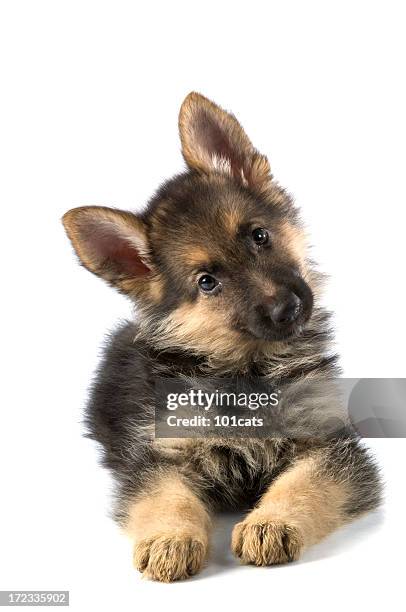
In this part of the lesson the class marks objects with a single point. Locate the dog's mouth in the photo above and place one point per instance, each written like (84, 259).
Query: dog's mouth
(262, 332)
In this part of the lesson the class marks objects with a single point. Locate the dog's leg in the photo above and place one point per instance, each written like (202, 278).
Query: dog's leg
(170, 526)
(321, 491)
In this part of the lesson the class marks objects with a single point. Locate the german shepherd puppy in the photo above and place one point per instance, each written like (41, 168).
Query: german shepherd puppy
(218, 270)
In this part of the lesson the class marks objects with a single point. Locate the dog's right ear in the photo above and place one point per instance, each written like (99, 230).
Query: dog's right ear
(110, 243)
(213, 141)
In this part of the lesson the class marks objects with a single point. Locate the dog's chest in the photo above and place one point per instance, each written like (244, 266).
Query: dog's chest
(231, 468)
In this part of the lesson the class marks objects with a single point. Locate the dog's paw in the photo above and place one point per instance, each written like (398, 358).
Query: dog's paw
(266, 542)
(169, 558)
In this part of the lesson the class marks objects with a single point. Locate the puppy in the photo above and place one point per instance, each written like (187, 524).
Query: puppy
(218, 270)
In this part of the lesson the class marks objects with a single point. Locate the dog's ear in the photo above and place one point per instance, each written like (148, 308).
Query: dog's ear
(110, 243)
(213, 141)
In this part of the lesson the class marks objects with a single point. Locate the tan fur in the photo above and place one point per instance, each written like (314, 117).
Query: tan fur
(299, 509)
(170, 527)
(293, 239)
(222, 165)
(170, 446)
(232, 220)
(267, 286)
(196, 256)
(204, 328)
(266, 543)
(155, 289)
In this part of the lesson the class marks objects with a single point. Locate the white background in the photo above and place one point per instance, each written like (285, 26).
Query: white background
(90, 93)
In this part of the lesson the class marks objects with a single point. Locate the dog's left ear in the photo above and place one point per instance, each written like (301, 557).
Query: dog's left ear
(112, 244)
(213, 141)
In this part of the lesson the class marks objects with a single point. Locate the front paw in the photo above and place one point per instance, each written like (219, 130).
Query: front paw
(168, 558)
(266, 542)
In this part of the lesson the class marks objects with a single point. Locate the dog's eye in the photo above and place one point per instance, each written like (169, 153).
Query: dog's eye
(207, 283)
(260, 236)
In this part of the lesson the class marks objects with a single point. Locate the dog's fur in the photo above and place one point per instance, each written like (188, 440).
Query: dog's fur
(201, 222)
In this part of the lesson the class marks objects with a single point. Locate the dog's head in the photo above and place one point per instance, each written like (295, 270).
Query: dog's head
(217, 262)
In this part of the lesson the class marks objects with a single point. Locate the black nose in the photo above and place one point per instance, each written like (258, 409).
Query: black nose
(285, 311)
